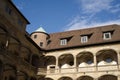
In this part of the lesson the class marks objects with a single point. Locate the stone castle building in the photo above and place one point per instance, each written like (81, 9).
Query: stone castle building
(86, 54)
(19, 55)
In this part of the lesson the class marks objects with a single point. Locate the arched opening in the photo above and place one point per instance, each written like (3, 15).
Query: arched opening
(85, 78)
(50, 62)
(66, 61)
(35, 61)
(65, 78)
(9, 72)
(1, 68)
(108, 77)
(25, 53)
(21, 75)
(84, 59)
(41, 77)
(49, 79)
(12, 78)
(33, 78)
(107, 57)
(3, 37)
(14, 45)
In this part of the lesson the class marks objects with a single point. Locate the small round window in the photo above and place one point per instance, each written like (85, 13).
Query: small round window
(108, 59)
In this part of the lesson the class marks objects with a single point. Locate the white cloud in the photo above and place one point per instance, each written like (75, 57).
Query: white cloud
(88, 17)
(84, 24)
(115, 8)
(94, 6)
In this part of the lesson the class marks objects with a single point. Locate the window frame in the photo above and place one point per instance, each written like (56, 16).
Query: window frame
(63, 41)
(35, 36)
(84, 39)
(106, 34)
(41, 44)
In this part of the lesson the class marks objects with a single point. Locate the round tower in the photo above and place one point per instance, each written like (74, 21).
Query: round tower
(40, 37)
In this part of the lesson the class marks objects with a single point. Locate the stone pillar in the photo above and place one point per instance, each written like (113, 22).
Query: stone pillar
(57, 65)
(57, 69)
(95, 79)
(118, 56)
(75, 64)
(95, 62)
(118, 78)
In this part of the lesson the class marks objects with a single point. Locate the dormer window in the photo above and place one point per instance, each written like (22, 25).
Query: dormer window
(63, 42)
(84, 39)
(106, 35)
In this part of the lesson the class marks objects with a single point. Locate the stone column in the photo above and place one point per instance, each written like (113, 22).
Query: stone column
(75, 65)
(57, 66)
(118, 57)
(118, 78)
(95, 62)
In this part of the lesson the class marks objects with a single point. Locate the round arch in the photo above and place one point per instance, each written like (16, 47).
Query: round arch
(3, 37)
(85, 78)
(25, 53)
(50, 61)
(106, 56)
(10, 72)
(35, 60)
(65, 78)
(33, 78)
(48, 78)
(84, 58)
(22, 75)
(1, 68)
(66, 60)
(13, 45)
(107, 77)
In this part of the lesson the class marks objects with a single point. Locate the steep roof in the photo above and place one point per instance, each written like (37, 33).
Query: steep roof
(40, 29)
(96, 37)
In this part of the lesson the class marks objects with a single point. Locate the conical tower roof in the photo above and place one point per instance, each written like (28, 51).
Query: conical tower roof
(40, 29)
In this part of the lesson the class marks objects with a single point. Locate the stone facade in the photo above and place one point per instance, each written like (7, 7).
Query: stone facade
(19, 55)
(88, 54)
(98, 58)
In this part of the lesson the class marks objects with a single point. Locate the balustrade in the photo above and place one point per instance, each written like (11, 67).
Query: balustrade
(79, 69)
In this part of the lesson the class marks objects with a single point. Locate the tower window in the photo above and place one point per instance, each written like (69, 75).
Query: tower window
(35, 36)
(63, 41)
(41, 44)
(84, 39)
(107, 35)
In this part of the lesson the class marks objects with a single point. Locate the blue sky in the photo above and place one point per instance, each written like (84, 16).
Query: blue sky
(63, 15)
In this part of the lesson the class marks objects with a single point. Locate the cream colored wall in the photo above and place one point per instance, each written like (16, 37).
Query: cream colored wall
(93, 50)
(95, 74)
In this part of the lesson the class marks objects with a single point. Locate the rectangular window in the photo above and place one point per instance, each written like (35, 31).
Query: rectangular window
(41, 44)
(107, 35)
(35, 36)
(84, 39)
(63, 42)
(8, 10)
(20, 22)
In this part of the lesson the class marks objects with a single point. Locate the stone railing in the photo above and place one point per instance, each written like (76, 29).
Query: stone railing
(79, 69)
